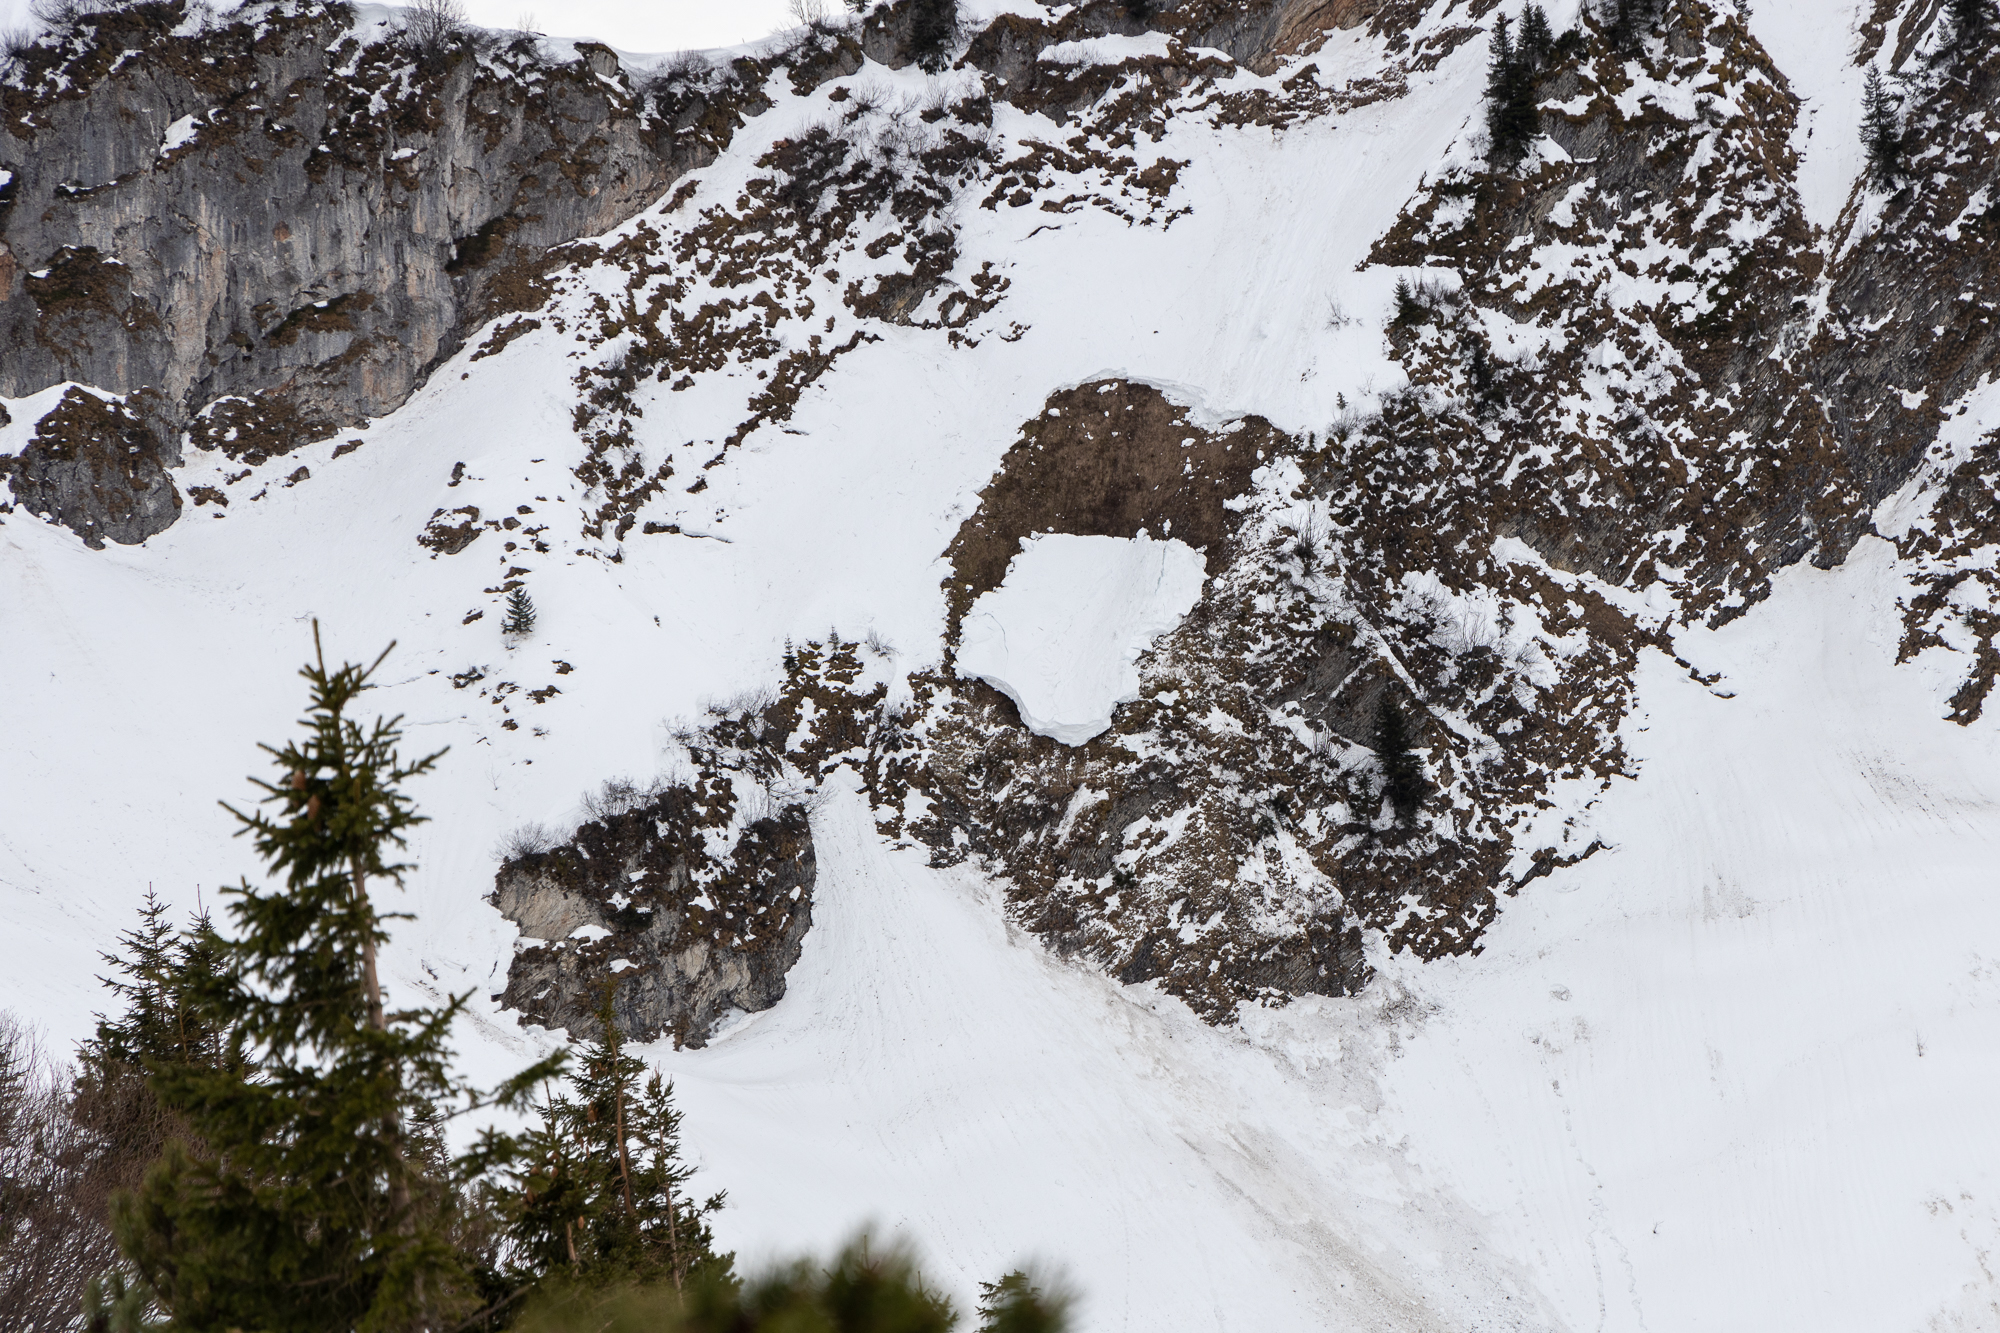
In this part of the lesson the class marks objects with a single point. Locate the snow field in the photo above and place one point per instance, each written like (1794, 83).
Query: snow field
(1733, 1072)
(934, 1071)
(1062, 634)
(1730, 1072)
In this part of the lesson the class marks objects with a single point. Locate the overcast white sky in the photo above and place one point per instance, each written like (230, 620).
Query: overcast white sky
(630, 25)
(640, 25)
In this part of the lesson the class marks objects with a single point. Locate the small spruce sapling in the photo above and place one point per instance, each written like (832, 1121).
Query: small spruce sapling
(1880, 134)
(520, 622)
(1486, 395)
(1403, 780)
(1410, 308)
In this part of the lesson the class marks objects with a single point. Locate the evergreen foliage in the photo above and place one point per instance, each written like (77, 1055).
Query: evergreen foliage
(1410, 309)
(111, 1305)
(1880, 134)
(1538, 40)
(1486, 395)
(1631, 21)
(1971, 22)
(1403, 780)
(308, 1197)
(862, 1291)
(71, 1142)
(1513, 84)
(520, 620)
(601, 1186)
(933, 26)
(161, 974)
(1015, 1305)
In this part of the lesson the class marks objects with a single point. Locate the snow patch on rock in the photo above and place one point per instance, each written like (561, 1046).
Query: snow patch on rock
(1062, 634)
(179, 134)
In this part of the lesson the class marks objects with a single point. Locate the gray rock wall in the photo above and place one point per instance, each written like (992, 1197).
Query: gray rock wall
(336, 217)
(634, 903)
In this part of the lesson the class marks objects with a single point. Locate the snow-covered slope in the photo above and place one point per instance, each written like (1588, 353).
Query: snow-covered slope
(1676, 1008)
(1734, 1073)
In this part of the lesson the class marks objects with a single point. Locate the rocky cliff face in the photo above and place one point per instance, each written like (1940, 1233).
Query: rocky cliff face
(275, 225)
(1640, 383)
(679, 903)
(1633, 381)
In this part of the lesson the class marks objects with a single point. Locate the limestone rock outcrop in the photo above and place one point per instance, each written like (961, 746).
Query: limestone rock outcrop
(636, 902)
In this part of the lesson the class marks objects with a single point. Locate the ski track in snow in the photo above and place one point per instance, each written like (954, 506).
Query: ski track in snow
(1734, 1072)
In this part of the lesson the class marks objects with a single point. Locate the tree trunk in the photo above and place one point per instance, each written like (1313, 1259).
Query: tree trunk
(674, 1235)
(368, 976)
(624, 1159)
(399, 1186)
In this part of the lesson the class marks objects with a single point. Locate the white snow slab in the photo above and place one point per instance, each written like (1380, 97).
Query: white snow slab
(179, 134)
(1062, 634)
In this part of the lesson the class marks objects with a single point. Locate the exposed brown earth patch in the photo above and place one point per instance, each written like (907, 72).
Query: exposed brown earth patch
(1112, 458)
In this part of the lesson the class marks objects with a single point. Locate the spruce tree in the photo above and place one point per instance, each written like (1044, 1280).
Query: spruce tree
(1971, 21)
(1410, 308)
(601, 1185)
(520, 620)
(162, 975)
(1513, 115)
(1538, 41)
(933, 25)
(1499, 73)
(1631, 21)
(303, 1201)
(1486, 395)
(1016, 1305)
(1403, 780)
(1879, 133)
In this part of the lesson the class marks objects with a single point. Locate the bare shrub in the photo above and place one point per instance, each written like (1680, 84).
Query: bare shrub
(809, 13)
(14, 44)
(63, 13)
(681, 733)
(756, 806)
(54, 1202)
(744, 706)
(867, 100)
(1306, 540)
(432, 29)
(615, 797)
(527, 840)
